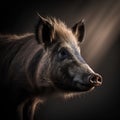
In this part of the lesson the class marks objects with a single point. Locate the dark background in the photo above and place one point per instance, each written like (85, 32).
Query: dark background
(101, 50)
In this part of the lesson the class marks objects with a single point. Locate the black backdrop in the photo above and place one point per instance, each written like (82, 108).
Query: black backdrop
(104, 102)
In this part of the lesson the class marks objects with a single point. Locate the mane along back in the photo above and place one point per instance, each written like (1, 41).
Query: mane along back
(9, 37)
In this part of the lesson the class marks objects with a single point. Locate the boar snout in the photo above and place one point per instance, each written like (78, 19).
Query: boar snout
(87, 81)
(95, 79)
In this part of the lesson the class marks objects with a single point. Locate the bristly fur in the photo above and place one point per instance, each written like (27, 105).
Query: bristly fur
(34, 66)
(15, 37)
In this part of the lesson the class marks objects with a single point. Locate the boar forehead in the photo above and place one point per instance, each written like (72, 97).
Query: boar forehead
(69, 42)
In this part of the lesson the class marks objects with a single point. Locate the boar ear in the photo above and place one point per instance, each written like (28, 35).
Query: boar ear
(79, 30)
(44, 31)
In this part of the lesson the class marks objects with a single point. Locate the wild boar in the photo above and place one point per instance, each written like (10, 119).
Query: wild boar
(36, 65)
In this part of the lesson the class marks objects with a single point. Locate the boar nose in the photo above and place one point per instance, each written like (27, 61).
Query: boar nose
(95, 79)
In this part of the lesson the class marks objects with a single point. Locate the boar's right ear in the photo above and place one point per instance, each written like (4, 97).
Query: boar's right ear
(79, 30)
(44, 31)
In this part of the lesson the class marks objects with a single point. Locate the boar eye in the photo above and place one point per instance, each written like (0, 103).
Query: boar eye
(63, 54)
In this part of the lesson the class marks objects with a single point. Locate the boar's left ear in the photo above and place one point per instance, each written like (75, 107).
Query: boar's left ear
(79, 30)
(44, 31)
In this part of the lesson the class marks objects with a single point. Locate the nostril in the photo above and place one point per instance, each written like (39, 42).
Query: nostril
(95, 79)
(99, 78)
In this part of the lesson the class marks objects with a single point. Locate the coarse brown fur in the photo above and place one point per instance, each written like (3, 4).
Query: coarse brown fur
(36, 65)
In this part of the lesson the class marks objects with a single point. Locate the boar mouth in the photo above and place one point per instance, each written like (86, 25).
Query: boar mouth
(80, 86)
(75, 87)
(84, 87)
